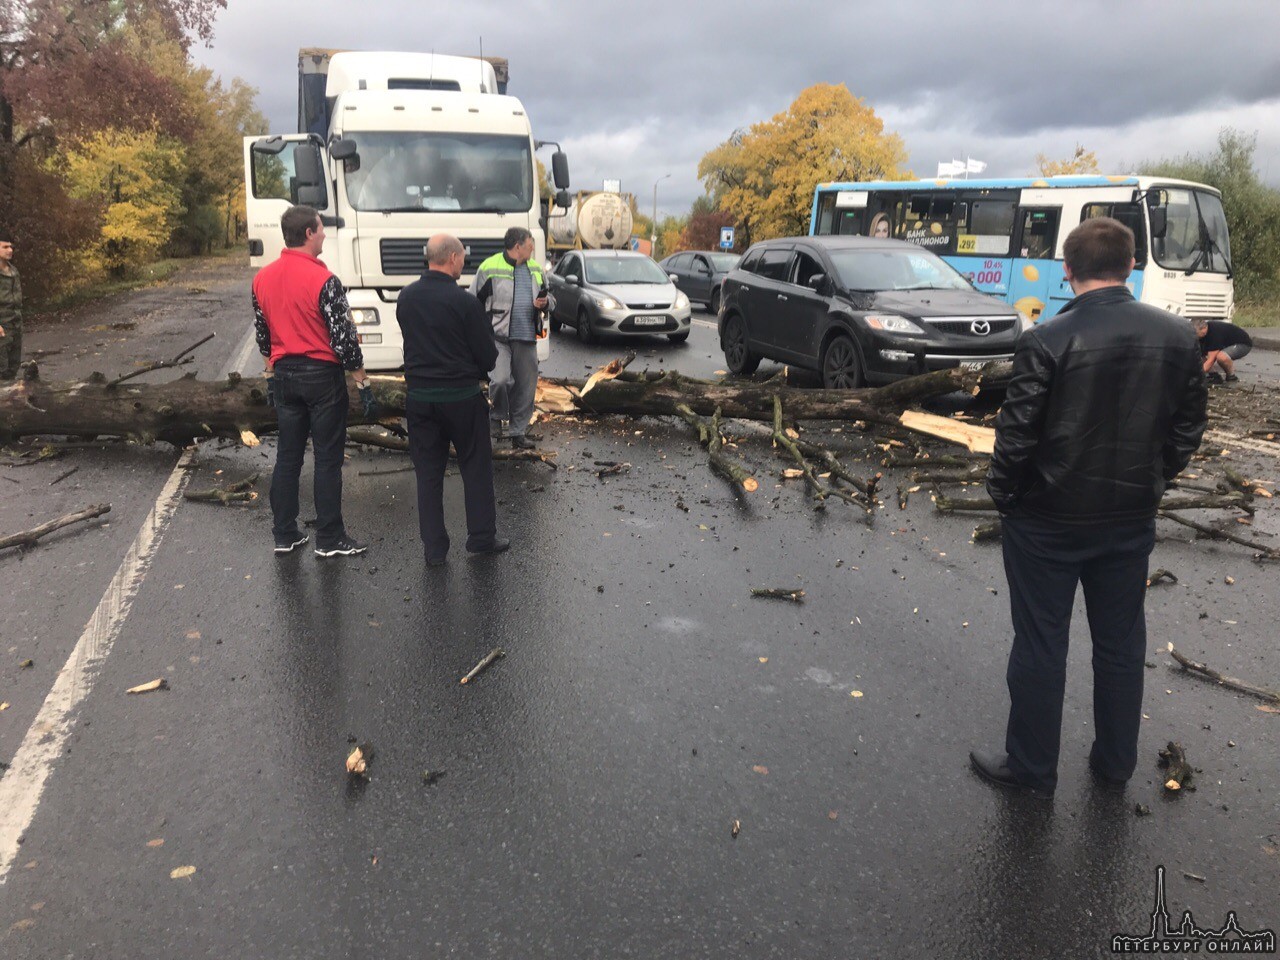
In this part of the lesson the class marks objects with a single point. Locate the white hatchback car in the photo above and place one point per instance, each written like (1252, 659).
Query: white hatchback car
(617, 292)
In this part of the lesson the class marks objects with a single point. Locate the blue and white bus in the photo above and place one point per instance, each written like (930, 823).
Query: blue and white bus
(1006, 236)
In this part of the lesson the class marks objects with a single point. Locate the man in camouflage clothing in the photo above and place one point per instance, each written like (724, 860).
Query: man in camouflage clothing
(10, 310)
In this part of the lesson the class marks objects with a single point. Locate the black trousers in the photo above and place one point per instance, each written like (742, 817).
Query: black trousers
(1044, 560)
(311, 400)
(465, 424)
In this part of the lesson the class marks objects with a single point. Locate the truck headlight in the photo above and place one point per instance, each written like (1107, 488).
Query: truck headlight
(606, 303)
(364, 316)
(682, 301)
(892, 323)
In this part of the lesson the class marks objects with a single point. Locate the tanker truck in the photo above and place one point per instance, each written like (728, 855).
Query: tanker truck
(393, 148)
(592, 221)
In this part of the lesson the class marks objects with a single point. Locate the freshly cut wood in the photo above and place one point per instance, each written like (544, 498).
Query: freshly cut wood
(610, 371)
(1178, 772)
(28, 538)
(239, 492)
(977, 439)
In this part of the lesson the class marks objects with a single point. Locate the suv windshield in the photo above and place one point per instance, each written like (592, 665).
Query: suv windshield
(876, 270)
(723, 262)
(1196, 233)
(624, 270)
(441, 172)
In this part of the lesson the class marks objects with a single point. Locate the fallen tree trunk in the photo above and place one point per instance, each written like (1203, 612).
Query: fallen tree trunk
(188, 409)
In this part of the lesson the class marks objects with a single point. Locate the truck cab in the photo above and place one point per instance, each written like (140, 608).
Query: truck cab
(397, 148)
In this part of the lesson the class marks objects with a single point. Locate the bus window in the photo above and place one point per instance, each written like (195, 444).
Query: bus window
(1130, 214)
(991, 222)
(826, 207)
(932, 221)
(1039, 233)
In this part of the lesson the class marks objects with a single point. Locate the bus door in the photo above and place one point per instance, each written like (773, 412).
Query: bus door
(1037, 282)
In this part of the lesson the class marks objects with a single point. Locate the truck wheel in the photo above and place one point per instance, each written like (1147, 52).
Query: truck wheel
(737, 355)
(585, 333)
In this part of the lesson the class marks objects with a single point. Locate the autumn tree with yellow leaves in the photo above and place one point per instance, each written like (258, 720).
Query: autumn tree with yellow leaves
(1082, 161)
(765, 176)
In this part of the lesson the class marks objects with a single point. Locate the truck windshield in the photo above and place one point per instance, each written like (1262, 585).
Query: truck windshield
(441, 172)
(1196, 236)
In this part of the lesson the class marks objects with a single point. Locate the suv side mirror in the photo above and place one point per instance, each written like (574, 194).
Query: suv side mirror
(573, 280)
(816, 282)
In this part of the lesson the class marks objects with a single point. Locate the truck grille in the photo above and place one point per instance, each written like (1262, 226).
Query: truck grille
(404, 256)
(1211, 305)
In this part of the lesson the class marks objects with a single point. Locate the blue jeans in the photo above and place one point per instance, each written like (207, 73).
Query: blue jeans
(311, 401)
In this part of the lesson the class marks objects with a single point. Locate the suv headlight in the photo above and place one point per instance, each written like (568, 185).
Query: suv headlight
(606, 303)
(364, 316)
(682, 301)
(892, 323)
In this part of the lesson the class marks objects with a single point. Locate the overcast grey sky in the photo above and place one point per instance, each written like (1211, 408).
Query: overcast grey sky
(637, 90)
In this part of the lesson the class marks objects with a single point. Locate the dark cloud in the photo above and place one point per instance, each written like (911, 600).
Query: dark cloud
(640, 90)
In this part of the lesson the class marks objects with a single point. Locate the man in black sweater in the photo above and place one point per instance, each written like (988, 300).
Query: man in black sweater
(448, 349)
(1105, 407)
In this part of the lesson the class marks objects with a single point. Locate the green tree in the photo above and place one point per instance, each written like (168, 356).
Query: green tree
(766, 176)
(1252, 209)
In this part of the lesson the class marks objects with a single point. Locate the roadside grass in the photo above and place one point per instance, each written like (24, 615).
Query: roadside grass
(1257, 313)
(150, 275)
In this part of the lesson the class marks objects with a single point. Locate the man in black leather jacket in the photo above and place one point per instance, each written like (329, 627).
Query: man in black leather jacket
(1106, 405)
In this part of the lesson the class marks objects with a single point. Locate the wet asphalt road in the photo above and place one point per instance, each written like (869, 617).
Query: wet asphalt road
(582, 790)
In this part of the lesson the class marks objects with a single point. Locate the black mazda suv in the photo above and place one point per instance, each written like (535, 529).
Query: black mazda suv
(859, 310)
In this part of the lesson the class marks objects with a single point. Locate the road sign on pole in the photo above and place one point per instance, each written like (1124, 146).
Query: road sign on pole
(726, 238)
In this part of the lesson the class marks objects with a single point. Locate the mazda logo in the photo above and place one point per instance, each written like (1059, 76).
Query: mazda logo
(980, 328)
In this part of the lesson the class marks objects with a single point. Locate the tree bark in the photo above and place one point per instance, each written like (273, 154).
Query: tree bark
(187, 409)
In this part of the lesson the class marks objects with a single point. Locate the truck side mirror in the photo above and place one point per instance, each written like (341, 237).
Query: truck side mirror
(272, 146)
(343, 149)
(309, 176)
(560, 171)
(563, 200)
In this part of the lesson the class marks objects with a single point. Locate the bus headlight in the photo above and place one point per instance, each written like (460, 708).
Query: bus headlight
(364, 316)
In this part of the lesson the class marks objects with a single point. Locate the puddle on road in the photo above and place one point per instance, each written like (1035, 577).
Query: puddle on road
(678, 625)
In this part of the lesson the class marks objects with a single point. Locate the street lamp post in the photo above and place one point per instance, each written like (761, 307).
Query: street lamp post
(653, 237)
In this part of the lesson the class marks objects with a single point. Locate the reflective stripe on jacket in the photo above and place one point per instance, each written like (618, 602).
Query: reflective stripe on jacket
(498, 272)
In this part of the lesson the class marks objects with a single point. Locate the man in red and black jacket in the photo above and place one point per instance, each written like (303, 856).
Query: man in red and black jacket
(305, 333)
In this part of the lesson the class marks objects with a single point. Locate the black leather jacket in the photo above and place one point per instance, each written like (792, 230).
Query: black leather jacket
(1106, 405)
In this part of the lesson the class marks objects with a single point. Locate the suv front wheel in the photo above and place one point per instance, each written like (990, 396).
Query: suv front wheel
(841, 367)
(737, 355)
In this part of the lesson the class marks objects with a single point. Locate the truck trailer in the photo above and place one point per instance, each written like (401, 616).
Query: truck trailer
(393, 148)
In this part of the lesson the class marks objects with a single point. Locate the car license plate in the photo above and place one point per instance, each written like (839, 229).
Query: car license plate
(649, 321)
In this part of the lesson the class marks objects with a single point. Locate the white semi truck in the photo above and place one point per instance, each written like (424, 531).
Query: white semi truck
(393, 148)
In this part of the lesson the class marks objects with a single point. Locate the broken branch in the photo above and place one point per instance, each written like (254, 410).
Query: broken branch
(28, 538)
(1207, 673)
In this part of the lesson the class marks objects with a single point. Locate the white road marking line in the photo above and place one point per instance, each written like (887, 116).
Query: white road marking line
(24, 781)
(1256, 444)
(705, 323)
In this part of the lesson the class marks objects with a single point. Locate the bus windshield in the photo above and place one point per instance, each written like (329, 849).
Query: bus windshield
(1195, 237)
(880, 270)
(441, 172)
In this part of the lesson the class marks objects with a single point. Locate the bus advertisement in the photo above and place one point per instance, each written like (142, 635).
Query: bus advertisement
(1006, 235)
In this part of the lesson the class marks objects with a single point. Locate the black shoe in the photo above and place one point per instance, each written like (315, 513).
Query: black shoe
(290, 543)
(994, 768)
(499, 545)
(523, 443)
(1107, 783)
(1230, 378)
(1213, 377)
(346, 547)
